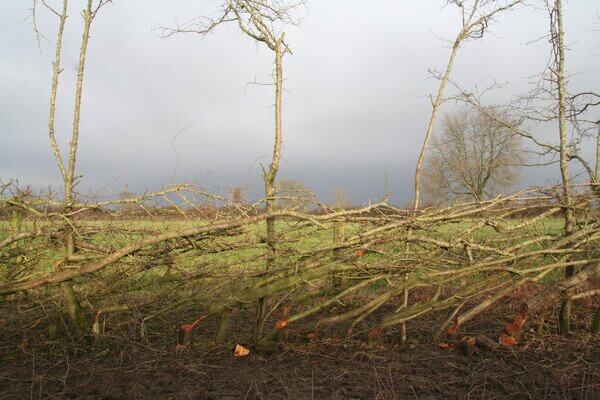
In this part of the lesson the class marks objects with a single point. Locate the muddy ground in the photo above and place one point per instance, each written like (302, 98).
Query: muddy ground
(541, 366)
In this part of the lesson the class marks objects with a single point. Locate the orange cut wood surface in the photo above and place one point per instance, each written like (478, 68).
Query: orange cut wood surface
(507, 340)
(282, 323)
(240, 351)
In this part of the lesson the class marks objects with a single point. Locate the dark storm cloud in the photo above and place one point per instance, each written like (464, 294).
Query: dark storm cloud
(355, 109)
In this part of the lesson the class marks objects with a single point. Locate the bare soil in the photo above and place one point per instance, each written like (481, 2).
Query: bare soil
(541, 366)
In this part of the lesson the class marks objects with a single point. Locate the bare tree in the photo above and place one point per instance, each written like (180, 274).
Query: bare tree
(557, 74)
(236, 195)
(68, 170)
(293, 194)
(549, 102)
(341, 200)
(128, 206)
(263, 21)
(474, 158)
(597, 170)
(475, 20)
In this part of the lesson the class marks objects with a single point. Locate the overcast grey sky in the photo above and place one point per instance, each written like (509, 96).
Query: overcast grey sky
(355, 109)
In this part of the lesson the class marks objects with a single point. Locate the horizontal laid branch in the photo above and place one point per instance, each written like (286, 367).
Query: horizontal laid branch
(554, 292)
(252, 294)
(588, 293)
(134, 247)
(212, 228)
(20, 236)
(418, 309)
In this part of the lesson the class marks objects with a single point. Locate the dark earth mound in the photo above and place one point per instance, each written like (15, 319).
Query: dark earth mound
(546, 366)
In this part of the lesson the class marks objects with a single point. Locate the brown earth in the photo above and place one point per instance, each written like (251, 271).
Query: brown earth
(541, 366)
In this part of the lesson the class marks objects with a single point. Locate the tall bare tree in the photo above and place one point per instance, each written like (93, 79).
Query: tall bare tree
(597, 170)
(558, 47)
(293, 194)
(476, 16)
(550, 103)
(68, 170)
(474, 158)
(341, 200)
(557, 36)
(263, 21)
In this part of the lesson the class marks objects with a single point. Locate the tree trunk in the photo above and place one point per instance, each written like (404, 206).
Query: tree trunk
(53, 91)
(595, 328)
(70, 296)
(224, 324)
(597, 171)
(270, 182)
(565, 310)
(432, 119)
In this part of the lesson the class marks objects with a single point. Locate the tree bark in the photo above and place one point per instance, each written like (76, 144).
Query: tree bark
(565, 310)
(53, 91)
(270, 187)
(224, 324)
(595, 328)
(432, 119)
(597, 170)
